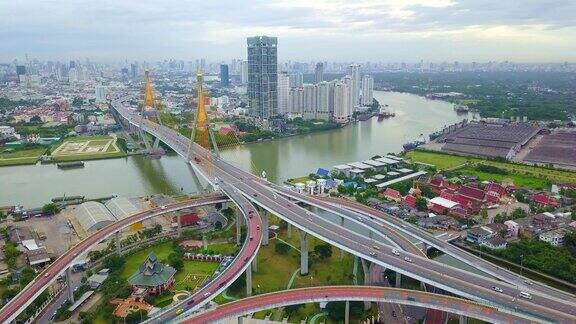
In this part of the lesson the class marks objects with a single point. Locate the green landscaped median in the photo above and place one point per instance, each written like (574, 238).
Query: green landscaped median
(522, 174)
(21, 156)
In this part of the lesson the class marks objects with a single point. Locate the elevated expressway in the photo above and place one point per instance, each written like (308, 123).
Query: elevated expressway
(353, 293)
(17, 304)
(540, 308)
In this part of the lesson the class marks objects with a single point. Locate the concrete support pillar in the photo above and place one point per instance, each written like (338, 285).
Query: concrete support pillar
(156, 144)
(118, 243)
(255, 263)
(265, 233)
(69, 283)
(240, 320)
(289, 230)
(249, 280)
(238, 227)
(366, 269)
(398, 280)
(303, 253)
(347, 313)
(462, 319)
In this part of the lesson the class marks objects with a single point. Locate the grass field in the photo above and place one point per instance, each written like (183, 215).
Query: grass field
(29, 156)
(223, 248)
(184, 279)
(532, 176)
(86, 148)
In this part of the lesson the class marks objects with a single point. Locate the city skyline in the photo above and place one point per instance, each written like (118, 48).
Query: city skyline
(390, 31)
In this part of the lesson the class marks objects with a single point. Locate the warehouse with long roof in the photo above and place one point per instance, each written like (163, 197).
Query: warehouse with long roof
(93, 216)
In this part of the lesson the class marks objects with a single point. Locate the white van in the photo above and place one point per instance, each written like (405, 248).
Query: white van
(526, 295)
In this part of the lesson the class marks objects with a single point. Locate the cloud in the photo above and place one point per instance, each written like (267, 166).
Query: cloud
(308, 29)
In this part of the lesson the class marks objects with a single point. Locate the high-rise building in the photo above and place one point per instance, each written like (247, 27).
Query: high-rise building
(100, 93)
(354, 72)
(133, 71)
(350, 101)
(244, 72)
(296, 102)
(224, 77)
(341, 102)
(262, 76)
(20, 69)
(323, 101)
(283, 93)
(319, 72)
(367, 90)
(309, 102)
(296, 80)
(73, 74)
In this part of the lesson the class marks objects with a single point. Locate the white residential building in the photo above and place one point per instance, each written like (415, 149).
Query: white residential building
(296, 102)
(100, 93)
(283, 93)
(354, 72)
(341, 102)
(323, 101)
(296, 80)
(244, 72)
(367, 90)
(309, 101)
(7, 132)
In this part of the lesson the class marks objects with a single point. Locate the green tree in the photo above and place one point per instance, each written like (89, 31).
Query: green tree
(323, 251)
(50, 209)
(421, 204)
(293, 309)
(281, 248)
(175, 259)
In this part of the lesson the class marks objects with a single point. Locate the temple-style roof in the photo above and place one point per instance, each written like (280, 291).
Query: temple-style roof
(152, 273)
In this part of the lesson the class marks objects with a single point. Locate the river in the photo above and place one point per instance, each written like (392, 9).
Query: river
(35, 185)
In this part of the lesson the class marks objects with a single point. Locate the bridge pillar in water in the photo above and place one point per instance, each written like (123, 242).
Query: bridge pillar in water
(69, 284)
(249, 280)
(462, 319)
(347, 313)
(265, 234)
(118, 243)
(366, 269)
(303, 253)
(398, 280)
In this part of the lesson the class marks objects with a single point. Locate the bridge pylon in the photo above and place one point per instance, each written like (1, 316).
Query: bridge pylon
(150, 110)
(202, 134)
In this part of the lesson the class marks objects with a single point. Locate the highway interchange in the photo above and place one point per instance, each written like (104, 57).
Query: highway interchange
(546, 304)
(541, 307)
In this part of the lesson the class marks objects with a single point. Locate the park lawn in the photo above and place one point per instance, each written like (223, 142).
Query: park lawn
(441, 161)
(223, 248)
(113, 151)
(447, 161)
(274, 270)
(88, 138)
(133, 261)
(200, 269)
(294, 181)
(519, 180)
(30, 156)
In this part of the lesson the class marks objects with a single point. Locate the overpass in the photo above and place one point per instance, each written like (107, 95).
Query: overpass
(25, 297)
(454, 305)
(541, 307)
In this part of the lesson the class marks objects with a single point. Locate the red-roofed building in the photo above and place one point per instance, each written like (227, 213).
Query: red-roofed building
(391, 194)
(494, 192)
(471, 193)
(543, 199)
(459, 212)
(187, 219)
(410, 201)
(438, 184)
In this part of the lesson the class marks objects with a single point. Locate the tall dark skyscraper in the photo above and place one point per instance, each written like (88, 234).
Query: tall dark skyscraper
(224, 77)
(133, 71)
(319, 72)
(262, 76)
(20, 69)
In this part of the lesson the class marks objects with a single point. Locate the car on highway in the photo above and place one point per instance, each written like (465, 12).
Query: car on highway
(179, 311)
(196, 159)
(46, 274)
(407, 259)
(376, 247)
(528, 282)
(372, 253)
(207, 294)
(360, 219)
(526, 295)
(395, 252)
(163, 207)
(498, 289)
(255, 194)
(258, 227)
(251, 238)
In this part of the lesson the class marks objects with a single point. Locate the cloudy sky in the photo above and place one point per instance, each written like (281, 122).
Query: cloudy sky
(344, 30)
